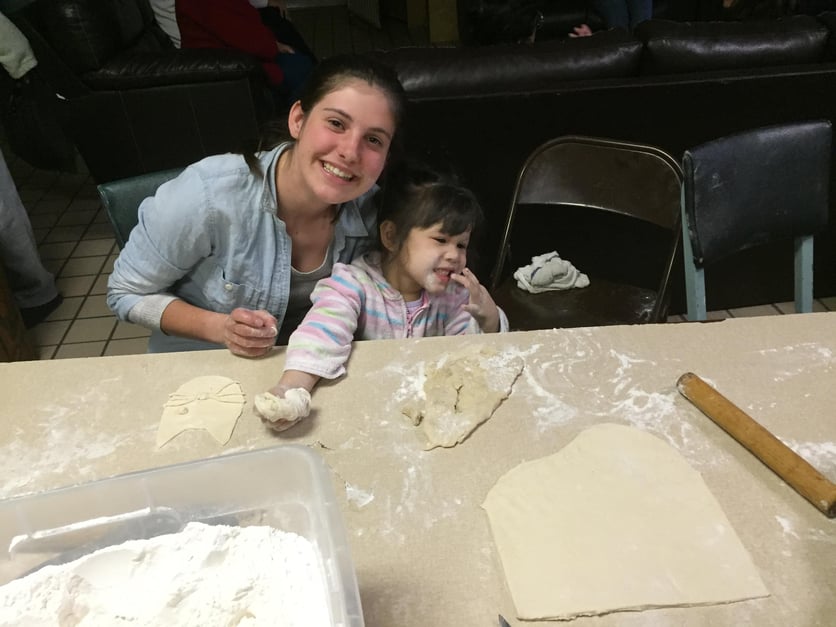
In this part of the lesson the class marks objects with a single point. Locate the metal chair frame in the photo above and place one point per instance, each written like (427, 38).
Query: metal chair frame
(609, 178)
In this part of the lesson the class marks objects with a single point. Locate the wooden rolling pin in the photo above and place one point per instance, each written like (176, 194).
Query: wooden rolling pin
(785, 462)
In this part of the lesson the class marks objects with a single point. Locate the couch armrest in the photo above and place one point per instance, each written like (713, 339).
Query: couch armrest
(175, 67)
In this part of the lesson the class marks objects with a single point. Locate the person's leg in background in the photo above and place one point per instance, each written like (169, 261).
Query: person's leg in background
(639, 10)
(285, 31)
(32, 284)
(296, 68)
(613, 12)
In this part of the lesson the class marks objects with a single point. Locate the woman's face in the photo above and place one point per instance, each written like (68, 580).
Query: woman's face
(342, 143)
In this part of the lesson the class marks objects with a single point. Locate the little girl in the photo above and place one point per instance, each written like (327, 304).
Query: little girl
(416, 285)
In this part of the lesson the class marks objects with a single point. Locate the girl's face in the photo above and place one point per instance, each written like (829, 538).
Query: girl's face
(342, 143)
(426, 260)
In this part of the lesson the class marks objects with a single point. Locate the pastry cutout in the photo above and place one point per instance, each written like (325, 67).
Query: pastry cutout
(212, 403)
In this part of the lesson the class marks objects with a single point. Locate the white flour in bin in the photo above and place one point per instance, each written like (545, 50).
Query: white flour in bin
(206, 575)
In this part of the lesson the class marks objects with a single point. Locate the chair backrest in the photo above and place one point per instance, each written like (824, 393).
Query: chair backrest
(634, 180)
(755, 187)
(121, 199)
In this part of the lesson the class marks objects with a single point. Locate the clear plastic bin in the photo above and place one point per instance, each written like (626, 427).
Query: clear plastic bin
(287, 487)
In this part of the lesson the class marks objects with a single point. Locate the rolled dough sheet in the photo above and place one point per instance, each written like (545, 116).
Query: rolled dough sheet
(462, 391)
(212, 403)
(616, 520)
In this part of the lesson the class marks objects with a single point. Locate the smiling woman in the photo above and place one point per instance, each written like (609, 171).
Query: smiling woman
(227, 253)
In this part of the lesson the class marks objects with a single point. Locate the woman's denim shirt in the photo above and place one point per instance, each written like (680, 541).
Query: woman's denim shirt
(211, 237)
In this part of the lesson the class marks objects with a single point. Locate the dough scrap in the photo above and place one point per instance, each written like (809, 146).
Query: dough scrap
(461, 392)
(283, 413)
(616, 520)
(213, 403)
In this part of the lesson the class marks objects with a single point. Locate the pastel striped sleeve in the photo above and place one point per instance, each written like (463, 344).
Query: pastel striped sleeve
(321, 344)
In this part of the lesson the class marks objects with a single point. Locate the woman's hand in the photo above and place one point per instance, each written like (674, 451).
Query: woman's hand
(481, 306)
(249, 333)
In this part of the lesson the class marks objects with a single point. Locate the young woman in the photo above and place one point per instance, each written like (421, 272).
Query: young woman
(416, 285)
(227, 253)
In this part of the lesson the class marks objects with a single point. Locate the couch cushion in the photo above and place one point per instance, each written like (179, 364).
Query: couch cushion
(672, 47)
(434, 72)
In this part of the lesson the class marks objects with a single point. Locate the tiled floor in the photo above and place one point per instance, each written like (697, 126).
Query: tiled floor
(76, 243)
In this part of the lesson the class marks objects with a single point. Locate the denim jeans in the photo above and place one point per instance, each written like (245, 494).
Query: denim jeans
(623, 13)
(31, 283)
(296, 68)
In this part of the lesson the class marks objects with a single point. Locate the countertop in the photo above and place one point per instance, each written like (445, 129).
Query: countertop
(420, 540)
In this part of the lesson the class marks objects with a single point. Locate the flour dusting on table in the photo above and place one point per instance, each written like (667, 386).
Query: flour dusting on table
(67, 450)
(799, 359)
(786, 526)
(820, 455)
(204, 575)
(357, 496)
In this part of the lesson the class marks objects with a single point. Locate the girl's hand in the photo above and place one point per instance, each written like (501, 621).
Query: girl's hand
(481, 306)
(249, 333)
(281, 407)
(287, 402)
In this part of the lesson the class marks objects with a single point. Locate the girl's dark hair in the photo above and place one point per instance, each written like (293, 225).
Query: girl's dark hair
(331, 74)
(415, 195)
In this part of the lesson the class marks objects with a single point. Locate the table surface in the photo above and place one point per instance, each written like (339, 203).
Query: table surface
(420, 540)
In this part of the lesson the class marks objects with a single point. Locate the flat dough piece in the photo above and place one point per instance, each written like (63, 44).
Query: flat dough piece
(616, 520)
(212, 403)
(462, 391)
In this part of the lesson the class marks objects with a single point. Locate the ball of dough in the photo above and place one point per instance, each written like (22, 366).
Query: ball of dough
(282, 413)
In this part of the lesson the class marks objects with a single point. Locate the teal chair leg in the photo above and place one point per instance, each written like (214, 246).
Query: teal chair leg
(804, 274)
(694, 276)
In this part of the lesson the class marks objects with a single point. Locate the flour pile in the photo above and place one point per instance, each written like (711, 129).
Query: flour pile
(205, 575)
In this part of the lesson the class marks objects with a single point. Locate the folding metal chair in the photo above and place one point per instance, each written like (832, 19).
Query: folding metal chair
(611, 208)
(753, 188)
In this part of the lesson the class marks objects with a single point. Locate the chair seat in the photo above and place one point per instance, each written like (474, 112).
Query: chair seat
(602, 303)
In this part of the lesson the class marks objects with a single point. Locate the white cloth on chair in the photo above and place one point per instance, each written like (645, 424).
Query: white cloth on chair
(548, 272)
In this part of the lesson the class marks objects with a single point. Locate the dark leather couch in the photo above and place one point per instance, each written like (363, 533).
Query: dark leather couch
(670, 84)
(127, 98)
